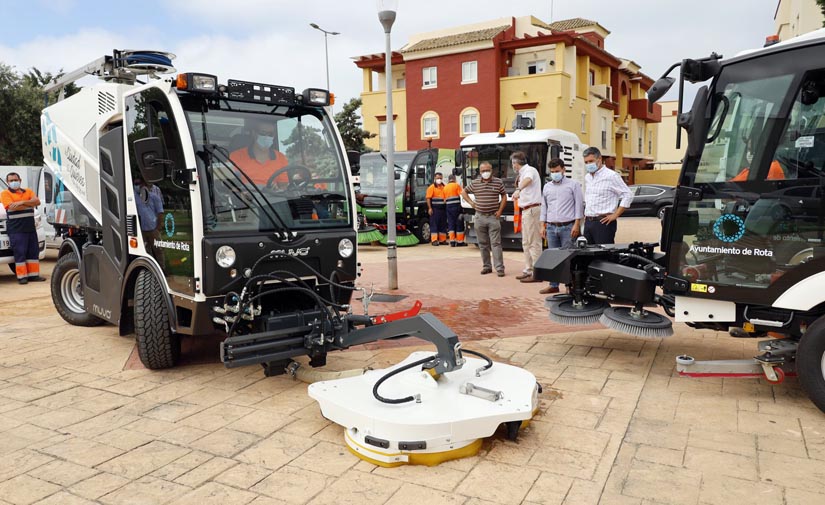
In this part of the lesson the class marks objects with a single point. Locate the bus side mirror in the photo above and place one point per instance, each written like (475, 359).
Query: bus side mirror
(149, 157)
(354, 159)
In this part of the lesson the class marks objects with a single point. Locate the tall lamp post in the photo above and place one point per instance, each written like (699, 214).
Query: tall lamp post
(326, 47)
(386, 15)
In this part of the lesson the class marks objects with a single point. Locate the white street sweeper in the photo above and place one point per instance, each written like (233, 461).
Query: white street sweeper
(744, 245)
(191, 207)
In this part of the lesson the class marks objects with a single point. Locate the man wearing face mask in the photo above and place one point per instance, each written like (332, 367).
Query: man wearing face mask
(259, 159)
(437, 207)
(20, 226)
(562, 208)
(606, 197)
(528, 197)
(489, 203)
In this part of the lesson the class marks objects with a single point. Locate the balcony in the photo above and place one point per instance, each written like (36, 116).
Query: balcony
(638, 109)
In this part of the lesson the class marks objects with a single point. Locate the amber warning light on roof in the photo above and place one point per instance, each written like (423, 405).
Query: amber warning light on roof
(771, 40)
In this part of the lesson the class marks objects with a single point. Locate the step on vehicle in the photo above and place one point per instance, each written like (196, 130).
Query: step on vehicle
(743, 245)
(171, 231)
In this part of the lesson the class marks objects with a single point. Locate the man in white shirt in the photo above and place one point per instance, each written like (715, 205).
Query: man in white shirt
(606, 197)
(528, 197)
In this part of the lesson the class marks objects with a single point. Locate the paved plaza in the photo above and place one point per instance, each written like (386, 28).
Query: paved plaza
(82, 422)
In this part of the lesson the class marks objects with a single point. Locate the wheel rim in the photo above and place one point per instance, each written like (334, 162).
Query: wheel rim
(425, 231)
(72, 292)
(822, 365)
(661, 213)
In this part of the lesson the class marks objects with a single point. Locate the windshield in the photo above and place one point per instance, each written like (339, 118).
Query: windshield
(498, 155)
(268, 168)
(373, 172)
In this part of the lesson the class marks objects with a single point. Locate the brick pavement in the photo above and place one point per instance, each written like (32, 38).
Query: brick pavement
(616, 426)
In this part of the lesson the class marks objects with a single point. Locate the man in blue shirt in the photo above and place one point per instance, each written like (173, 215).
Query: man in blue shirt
(562, 209)
(149, 201)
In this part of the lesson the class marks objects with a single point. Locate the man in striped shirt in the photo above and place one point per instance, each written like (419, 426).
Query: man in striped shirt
(490, 199)
(606, 197)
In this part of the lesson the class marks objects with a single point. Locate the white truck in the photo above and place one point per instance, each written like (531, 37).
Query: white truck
(30, 177)
(540, 146)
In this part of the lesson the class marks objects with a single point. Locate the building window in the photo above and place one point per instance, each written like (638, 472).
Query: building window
(536, 67)
(469, 72)
(469, 121)
(430, 77)
(429, 125)
(604, 133)
(382, 136)
(522, 117)
(401, 83)
(584, 122)
(650, 142)
(641, 139)
(592, 78)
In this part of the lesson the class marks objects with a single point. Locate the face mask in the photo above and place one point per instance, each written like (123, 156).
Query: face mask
(486, 175)
(265, 141)
(439, 181)
(14, 185)
(591, 167)
(556, 176)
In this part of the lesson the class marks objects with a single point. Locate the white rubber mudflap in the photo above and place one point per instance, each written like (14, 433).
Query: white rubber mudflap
(446, 424)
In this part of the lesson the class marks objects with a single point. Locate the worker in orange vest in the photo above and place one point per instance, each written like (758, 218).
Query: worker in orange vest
(775, 173)
(455, 224)
(437, 207)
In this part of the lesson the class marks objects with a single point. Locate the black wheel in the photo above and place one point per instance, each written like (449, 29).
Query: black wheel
(661, 212)
(158, 346)
(67, 292)
(423, 230)
(810, 363)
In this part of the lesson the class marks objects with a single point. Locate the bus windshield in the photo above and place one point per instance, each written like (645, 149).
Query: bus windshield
(373, 172)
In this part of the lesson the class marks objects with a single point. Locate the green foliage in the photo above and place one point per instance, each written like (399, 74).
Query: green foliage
(21, 100)
(349, 124)
(821, 4)
(306, 146)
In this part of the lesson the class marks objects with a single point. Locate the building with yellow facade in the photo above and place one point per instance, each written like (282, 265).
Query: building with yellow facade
(451, 83)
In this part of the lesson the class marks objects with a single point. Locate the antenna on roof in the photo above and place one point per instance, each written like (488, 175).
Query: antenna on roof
(551, 10)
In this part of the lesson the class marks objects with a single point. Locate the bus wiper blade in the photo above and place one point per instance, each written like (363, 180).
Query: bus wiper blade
(249, 185)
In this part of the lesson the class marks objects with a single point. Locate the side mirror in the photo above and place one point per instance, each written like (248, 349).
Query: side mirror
(397, 175)
(354, 159)
(149, 157)
(693, 122)
(659, 88)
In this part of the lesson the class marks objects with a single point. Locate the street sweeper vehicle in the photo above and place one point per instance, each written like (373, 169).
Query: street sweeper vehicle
(194, 208)
(414, 173)
(540, 146)
(743, 248)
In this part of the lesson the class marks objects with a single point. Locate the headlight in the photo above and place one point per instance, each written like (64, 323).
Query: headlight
(225, 256)
(313, 96)
(345, 248)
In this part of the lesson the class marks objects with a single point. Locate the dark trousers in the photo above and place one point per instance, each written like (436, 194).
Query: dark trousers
(597, 233)
(438, 224)
(455, 225)
(25, 250)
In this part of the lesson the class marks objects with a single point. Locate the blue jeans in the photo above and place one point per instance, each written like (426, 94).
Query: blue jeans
(558, 237)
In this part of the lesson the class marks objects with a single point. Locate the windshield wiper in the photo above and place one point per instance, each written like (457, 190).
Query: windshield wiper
(249, 185)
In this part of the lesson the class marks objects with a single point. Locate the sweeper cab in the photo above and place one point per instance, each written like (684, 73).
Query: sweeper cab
(742, 247)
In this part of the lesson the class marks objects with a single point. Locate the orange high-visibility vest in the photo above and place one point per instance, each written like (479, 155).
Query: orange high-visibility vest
(516, 217)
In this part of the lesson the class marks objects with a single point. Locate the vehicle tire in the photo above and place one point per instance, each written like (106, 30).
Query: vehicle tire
(423, 229)
(660, 212)
(158, 345)
(810, 362)
(13, 270)
(67, 292)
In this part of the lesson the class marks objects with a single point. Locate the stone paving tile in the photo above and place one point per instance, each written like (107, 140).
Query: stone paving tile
(326, 458)
(794, 473)
(646, 480)
(143, 460)
(242, 475)
(225, 442)
(64, 498)
(82, 451)
(62, 473)
(410, 494)
(213, 493)
(357, 488)
(498, 482)
(145, 491)
(276, 450)
(293, 485)
(24, 489)
(724, 490)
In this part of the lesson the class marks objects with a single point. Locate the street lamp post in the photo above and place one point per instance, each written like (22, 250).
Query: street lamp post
(326, 47)
(386, 15)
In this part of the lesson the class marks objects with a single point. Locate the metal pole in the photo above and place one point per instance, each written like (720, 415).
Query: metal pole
(392, 251)
(326, 57)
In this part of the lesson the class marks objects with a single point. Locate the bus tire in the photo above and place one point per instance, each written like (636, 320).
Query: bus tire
(810, 363)
(158, 345)
(67, 292)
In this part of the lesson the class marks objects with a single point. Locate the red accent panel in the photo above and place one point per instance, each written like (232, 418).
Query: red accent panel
(525, 105)
(638, 109)
(395, 316)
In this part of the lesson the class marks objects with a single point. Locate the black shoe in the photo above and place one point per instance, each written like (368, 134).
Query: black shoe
(36, 279)
(452, 244)
(443, 242)
(434, 243)
(461, 244)
(22, 281)
(486, 271)
(500, 273)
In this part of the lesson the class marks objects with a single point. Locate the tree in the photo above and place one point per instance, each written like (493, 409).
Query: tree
(349, 124)
(821, 4)
(21, 101)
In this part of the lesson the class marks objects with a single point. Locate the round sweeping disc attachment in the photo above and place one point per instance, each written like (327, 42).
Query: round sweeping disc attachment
(557, 298)
(571, 313)
(640, 323)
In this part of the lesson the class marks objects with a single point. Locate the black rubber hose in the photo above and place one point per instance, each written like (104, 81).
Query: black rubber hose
(489, 364)
(316, 272)
(396, 401)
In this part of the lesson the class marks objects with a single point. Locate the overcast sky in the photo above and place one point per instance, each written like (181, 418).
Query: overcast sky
(271, 41)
